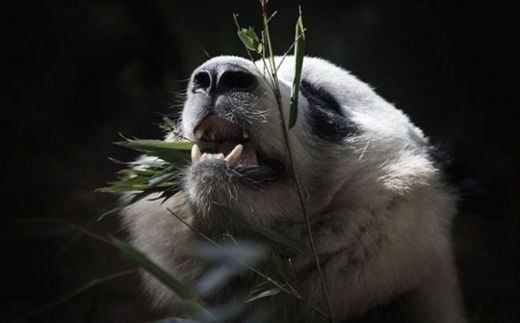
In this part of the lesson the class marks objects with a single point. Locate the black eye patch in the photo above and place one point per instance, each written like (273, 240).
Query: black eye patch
(325, 115)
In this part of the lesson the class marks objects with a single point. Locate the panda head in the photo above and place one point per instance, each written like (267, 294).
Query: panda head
(345, 141)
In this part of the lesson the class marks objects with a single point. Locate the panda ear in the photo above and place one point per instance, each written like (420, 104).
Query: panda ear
(325, 115)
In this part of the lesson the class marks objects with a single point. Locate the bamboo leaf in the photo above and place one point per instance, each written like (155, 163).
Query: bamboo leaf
(190, 302)
(142, 260)
(299, 49)
(174, 152)
(133, 198)
(256, 295)
(231, 254)
(168, 125)
(141, 162)
(151, 144)
(162, 179)
(126, 184)
(229, 260)
(112, 211)
(250, 40)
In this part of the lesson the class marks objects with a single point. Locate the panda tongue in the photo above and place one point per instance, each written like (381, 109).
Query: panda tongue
(247, 157)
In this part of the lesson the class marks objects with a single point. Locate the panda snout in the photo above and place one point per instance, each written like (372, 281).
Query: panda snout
(229, 105)
(226, 88)
(217, 79)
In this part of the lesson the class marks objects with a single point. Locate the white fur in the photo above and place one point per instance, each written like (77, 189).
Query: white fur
(385, 210)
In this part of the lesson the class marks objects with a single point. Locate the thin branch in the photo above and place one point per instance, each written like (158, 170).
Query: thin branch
(92, 234)
(235, 18)
(289, 50)
(291, 160)
(272, 16)
(206, 52)
(291, 292)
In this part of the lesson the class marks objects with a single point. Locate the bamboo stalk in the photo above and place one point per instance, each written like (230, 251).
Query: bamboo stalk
(285, 132)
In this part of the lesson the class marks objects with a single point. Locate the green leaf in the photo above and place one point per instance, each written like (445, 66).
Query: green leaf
(160, 174)
(171, 151)
(258, 294)
(250, 39)
(112, 211)
(190, 302)
(299, 48)
(133, 198)
(174, 152)
(229, 260)
(151, 144)
(168, 125)
(162, 180)
(141, 162)
(182, 290)
(126, 184)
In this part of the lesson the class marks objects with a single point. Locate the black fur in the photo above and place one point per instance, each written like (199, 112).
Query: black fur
(325, 116)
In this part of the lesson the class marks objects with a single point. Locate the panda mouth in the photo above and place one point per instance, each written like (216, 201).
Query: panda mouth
(234, 148)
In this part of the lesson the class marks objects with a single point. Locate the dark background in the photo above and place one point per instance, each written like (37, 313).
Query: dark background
(76, 73)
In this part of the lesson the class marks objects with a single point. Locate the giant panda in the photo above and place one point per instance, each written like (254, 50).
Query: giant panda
(379, 207)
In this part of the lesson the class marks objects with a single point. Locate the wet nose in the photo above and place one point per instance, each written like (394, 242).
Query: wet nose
(223, 78)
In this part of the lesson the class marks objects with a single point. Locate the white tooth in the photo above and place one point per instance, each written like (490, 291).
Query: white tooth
(234, 156)
(245, 135)
(199, 133)
(195, 154)
(207, 156)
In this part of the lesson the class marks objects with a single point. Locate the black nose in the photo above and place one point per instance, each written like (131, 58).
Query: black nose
(201, 81)
(223, 78)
